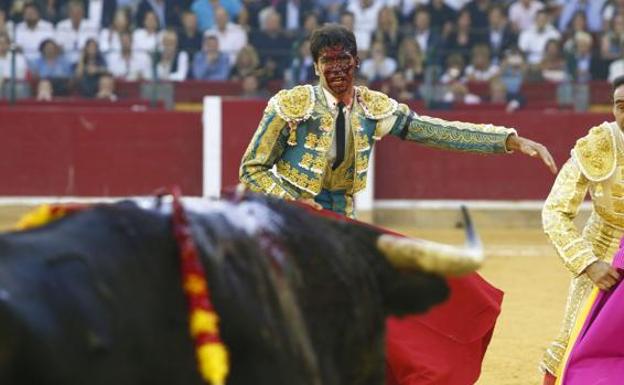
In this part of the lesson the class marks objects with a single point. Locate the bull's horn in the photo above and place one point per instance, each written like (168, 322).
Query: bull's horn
(432, 257)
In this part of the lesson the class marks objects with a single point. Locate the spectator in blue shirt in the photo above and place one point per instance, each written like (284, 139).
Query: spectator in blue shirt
(205, 11)
(210, 63)
(51, 63)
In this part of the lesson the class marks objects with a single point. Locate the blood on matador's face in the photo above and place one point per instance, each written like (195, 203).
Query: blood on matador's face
(336, 67)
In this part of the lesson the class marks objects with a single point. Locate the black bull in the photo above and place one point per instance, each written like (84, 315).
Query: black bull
(96, 297)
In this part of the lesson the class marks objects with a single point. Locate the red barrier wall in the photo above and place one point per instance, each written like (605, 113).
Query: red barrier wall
(410, 171)
(81, 152)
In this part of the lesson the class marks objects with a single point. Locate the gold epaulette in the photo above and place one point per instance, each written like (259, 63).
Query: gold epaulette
(376, 105)
(595, 153)
(294, 105)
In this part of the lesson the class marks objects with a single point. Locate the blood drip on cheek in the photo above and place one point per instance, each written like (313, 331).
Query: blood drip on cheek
(338, 70)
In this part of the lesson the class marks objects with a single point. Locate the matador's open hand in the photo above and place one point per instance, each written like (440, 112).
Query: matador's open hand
(533, 149)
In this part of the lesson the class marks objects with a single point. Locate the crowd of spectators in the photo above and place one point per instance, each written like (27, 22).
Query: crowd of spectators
(89, 44)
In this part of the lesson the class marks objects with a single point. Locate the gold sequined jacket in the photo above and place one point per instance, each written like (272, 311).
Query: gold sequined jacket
(596, 165)
(297, 128)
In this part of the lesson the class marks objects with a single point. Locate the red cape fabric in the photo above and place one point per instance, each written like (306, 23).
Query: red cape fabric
(446, 345)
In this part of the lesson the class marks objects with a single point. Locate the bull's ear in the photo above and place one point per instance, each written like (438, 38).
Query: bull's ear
(432, 257)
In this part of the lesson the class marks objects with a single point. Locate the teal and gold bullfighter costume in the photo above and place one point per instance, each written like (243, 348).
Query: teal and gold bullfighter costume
(296, 135)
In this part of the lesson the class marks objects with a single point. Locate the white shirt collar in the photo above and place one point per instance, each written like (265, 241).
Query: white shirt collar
(332, 102)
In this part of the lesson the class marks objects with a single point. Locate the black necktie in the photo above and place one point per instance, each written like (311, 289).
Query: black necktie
(340, 136)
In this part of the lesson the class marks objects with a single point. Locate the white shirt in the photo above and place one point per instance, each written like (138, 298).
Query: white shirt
(372, 71)
(21, 67)
(481, 75)
(231, 40)
(30, 39)
(164, 72)
(616, 69)
(143, 41)
(524, 17)
(365, 21)
(96, 7)
(137, 66)
(73, 40)
(532, 42)
(332, 103)
(109, 41)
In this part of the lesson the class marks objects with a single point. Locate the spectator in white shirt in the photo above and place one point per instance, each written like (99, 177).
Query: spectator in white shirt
(173, 64)
(481, 69)
(129, 64)
(32, 31)
(231, 36)
(6, 26)
(533, 40)
(365, 15)
(109, 37)
(6, 70)
(378, 66)
(73, 32)
(523, 13)
(147, 39)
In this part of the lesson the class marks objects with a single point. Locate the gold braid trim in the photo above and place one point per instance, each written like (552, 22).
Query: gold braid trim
(294, 105)
(595, 154)
(376, 105)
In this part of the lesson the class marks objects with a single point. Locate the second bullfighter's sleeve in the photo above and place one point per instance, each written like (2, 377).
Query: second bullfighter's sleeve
(449, 135)
(560, 209)
(265, 148)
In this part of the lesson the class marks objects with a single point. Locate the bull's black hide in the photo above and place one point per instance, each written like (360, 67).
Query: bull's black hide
(96, 298)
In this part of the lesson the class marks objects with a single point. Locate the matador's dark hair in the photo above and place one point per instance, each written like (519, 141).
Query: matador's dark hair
(331, 35)
(617, 82)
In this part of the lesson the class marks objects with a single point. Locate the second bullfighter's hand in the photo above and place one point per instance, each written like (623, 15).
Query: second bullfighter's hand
(533, 149)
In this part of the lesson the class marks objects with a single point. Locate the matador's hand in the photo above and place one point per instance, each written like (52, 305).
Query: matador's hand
(602, 274)
(311, 202)
(533, 149)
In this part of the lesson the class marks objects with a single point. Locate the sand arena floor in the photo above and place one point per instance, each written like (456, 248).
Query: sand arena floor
(525, 267)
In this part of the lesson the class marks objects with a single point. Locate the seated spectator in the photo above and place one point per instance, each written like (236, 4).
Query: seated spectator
(310, 24)
(464, 38)
(210, 63)
(293, 14)
(411, 60)
(513, 70)
(378, 66)
(165, 11)
(577, 24)
(73, 32)
(616, 69)
(612, 40)
(553, 65)
(581, 64)
(523, 14)
(454, 71)
(110, 37)
(129, 64)
(398, 88)
(32, 31)
(6, 60)
(89, 69)
(442, 17)
(365, 16)
(387, 31)
(533, 40)
(189, 36)
(172, 64)
(331, 10)
(347, 20)
(590, 11)
(100, 13)
(427, 38)
(147, 39)
(610, 10)
(106, 88)
(247, 63)
(479, 10)
(231, 36)
(273, 46)
(6, 25)
(301, 70)
(481, 69)
(45, 90)
(498, 95)
(500, 35)
(50, 10)
(51, 63)
(459, 93)
(205, 11)
(251, 88)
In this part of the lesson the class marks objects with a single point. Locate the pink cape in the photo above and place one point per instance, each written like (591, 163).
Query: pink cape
(597, 357)
(446, 345)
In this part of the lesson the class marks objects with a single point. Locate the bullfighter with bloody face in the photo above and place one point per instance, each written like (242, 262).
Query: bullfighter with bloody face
(319, 138)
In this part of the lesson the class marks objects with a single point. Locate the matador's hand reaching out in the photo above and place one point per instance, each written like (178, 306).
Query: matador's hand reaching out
(533, 149)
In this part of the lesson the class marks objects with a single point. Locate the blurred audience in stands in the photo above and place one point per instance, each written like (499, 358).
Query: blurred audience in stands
(147, 38)
(273, 46)
(580, 61)
(106, 88)
(189, 36)
(411, 60)
(388, 32)
(230, 35)
(481, 68)
(129, 64)
(89, 68)
(251, 88)
(247, 63)
(398, 88)
(32, 31)
(378, 66)
(532, 40)
(72, 33)
(7, 70)
(45, 90)
(52, 63)
(210, 63)
(301, 70)
(110, 37)
(553, 64)
(458, 92)
(172, 64)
